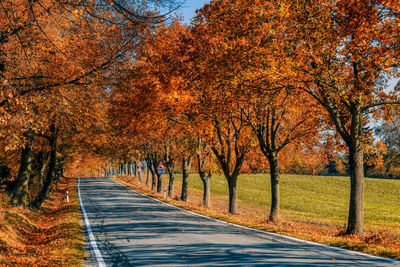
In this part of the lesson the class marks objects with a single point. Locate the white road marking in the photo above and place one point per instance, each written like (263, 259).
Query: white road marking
(265, 232)
(92, 240)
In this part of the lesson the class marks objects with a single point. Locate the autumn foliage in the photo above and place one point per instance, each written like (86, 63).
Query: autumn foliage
(248, 86)
(265, 86)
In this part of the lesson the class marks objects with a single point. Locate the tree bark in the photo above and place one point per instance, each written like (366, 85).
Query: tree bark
(153, 175)
(136, 166)
(128, 167)
(19, 191)
(148, 175)
(169, 164)
(356, 206)
(185, 185)
(232, 183)
(171, 184)
(153, 180)
(43, 170)
(159, 182)
(110, 170)
(205, 178)
(353, 140)
(206, 190)
(186, 164)
(275, 197)
(51, 170)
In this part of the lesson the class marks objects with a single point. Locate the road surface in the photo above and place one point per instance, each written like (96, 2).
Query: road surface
(130, 229)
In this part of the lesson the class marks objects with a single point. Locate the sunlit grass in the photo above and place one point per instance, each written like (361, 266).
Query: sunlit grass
(322, 198)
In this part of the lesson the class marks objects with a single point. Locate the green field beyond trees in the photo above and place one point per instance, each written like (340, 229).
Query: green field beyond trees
(315, 198)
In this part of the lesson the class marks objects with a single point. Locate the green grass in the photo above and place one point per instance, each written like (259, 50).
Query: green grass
(320, 198)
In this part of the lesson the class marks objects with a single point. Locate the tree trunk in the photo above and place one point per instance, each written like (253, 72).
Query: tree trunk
(20, 189)
(206, 190)
(42, 177)
(153, 180)
(153, 175)
(274, 173)
(136, 172)
(147, 175)
(171, 183)
(159, 182)
(232, 183)
(169, 164)
(128, 167)
(104, 168)
(51, 171)
(185, 184)
(205, 178)
(356, 206)
(186, 164)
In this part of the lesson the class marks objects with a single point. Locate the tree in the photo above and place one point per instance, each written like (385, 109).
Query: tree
(230, 146)
(86, 40)
(246, 55)
(346, 54)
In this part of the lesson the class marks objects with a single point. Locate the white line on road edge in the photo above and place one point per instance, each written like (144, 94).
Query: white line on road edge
(265, 232)
(92, 240)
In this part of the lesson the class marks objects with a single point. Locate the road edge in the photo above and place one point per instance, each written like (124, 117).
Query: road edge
(92, 240)
(263, 231)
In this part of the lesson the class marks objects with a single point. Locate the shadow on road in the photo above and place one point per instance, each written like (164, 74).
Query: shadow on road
(133, 230)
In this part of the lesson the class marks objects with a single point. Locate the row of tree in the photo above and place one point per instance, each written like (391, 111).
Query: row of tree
(248, 85)
(270, 78)
(58, 60)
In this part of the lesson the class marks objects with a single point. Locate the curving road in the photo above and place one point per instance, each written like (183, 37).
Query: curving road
(134, 230)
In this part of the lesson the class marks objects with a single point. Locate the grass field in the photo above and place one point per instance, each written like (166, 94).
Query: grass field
(321, 198)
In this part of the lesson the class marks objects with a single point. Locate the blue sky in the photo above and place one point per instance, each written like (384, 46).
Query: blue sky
(189, 7)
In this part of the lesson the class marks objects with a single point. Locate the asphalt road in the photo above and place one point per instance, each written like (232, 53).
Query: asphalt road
(133, 230)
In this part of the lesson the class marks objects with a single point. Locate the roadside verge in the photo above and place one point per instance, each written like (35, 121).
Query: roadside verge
(51, 236)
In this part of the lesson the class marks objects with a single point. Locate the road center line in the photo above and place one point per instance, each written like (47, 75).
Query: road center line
(92, 240)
